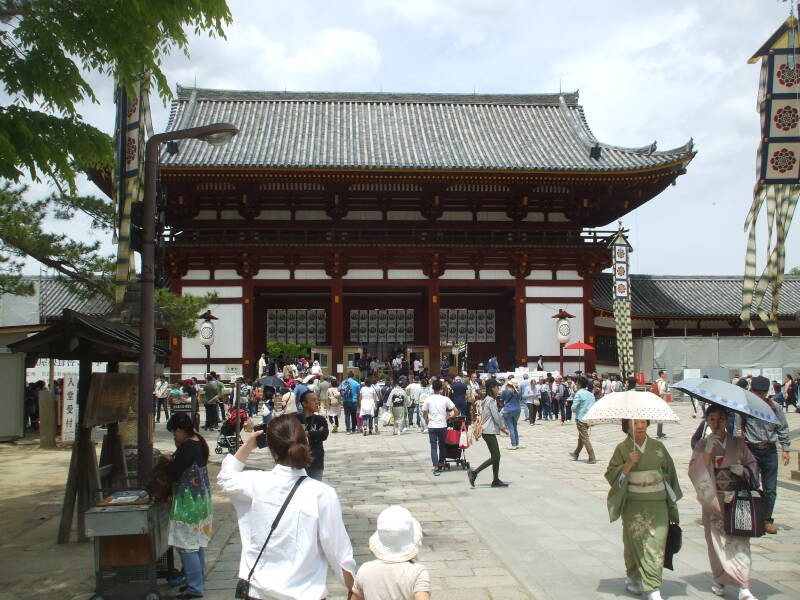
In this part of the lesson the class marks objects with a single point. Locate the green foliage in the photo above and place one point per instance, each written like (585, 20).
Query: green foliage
(794, 271)
(275, 349)
(47, 47)
(181, 312)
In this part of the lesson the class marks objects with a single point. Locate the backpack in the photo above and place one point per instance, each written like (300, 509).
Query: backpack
(398, 399)
(346, 390)
(654, 389)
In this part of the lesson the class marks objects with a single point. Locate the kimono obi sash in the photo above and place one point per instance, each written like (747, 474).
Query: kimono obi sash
(645, 482)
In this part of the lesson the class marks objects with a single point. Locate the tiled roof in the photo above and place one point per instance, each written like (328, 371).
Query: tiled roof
(326, 130)
(55, 295)
(690, 296)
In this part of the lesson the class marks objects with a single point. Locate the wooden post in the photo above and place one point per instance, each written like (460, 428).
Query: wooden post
(434, 346)
(336, 324)
(520, 324)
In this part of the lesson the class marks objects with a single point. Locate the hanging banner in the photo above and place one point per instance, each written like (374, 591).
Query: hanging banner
(69, 407)
(620, 251)
(490, 325)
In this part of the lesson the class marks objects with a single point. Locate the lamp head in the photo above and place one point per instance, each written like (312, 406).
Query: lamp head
(220, 134)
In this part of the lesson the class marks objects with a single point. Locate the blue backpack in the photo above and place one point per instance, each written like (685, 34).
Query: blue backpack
(346, 391)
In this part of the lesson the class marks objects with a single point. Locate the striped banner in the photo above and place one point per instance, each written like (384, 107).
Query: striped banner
(620, 263)
(129, 188)
(777, 175)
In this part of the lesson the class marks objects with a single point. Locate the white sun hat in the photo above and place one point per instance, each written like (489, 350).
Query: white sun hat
(398, 537)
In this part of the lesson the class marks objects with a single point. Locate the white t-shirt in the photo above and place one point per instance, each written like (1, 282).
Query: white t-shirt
(368, 400)
(413, 390)
(417, 365)
(437, 406)
(377, 580)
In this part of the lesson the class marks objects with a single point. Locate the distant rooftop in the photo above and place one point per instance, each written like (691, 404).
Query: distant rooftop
(333, 130)
(692, 296)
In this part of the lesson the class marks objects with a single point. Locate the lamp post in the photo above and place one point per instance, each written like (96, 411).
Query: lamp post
(215, 134)
(207, 336)
(563, 330)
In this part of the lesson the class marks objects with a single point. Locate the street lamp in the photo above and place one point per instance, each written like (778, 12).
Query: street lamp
(215, 134)
(207, 336)
(563, 331)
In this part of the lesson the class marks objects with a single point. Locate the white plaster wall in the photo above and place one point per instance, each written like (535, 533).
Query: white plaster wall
(495, 274)
(571, 364)
(406, 274)
(228, 339)
(206, 215)
(540, 275)
(492, 216)
(228, 371)
(232, 215)
(536, 217)
(404, 215)
(226, 275)
(316, 215)
(568, 275)
(458, 274)
(543, 291)
(311, 274)
(363, 215)
(275, 215)
(272, 274)
(558, 217)
(223, 291)
(197, 275)
(364, 274)
(541, 327)
(456, 215)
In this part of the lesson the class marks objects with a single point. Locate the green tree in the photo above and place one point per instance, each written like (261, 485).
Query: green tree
(180, 312)
(47, 48)
(794, 271)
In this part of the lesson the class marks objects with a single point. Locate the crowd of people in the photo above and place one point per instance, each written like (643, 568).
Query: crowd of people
(300, 412)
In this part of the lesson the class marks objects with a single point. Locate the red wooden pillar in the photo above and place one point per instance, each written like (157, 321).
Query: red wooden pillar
(337, 326)
(589, 356)
(249, 359)
(520, 324)
(434, 302)
(175, 341)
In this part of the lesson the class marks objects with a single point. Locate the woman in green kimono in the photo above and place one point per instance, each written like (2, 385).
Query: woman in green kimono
(644, 492)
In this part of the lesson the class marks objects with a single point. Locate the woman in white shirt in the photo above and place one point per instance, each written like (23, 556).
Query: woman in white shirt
(367, 401)
(310, 535)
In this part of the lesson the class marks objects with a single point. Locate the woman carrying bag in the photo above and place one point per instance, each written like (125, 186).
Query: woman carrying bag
(290, 526)
(488, 425)
(191, 508)
(721, 464)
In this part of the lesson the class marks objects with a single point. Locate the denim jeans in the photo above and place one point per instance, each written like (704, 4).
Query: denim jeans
(412, 410)
(194, 566)
(511, 419)
(350, 410)
(162, 403)
(767, 459)
(436, 435)
(566, 410)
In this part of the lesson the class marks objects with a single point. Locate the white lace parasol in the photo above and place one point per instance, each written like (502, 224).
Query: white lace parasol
(619, 406)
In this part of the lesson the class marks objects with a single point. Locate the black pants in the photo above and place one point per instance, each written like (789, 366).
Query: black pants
(334, 420)
(532, 410)
(566, 410)
(350, 411)
(212, 415)
(162, 403)
(494, 458)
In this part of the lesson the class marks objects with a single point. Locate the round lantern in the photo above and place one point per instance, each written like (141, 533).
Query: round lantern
(207, 333)
(563, 331)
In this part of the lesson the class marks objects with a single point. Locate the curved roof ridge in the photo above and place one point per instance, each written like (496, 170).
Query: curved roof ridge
(184, 94)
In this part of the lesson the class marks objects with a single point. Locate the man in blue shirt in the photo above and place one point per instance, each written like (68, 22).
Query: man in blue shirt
(460, 395)
(511, 410)
(350, 401)
(584, 400)
(526, 393)
(492, 367)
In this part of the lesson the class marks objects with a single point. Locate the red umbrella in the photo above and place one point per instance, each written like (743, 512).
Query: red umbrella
(579, 346)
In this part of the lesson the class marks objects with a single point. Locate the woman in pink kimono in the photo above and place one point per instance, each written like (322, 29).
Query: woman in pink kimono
(720, 464)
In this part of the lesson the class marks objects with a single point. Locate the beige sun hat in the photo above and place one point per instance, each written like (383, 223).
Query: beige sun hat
(398, 537)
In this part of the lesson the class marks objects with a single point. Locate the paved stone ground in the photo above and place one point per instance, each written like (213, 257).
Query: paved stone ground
(547, 536)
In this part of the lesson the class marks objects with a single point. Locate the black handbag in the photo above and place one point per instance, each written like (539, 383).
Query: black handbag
(243, 585)
(674, 542)
(744, 514)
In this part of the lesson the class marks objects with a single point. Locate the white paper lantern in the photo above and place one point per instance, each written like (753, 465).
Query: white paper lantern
(563, 331)
(207, 333)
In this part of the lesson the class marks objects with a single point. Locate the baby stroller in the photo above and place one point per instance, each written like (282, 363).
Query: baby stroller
(227, 433)
(455, 449)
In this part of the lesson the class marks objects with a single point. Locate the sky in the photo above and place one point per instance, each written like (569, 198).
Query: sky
(645, 71)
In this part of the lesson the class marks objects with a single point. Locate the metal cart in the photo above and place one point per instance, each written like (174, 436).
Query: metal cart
(130, 549)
